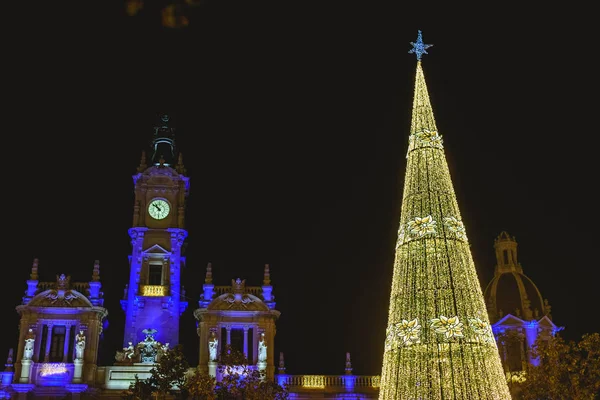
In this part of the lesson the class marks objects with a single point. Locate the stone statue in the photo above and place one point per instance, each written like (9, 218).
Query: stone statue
(262, 348)
(213, 344)
(79, 345)
(125, 356)
(29, 341)
(129, 351)
(162, 350)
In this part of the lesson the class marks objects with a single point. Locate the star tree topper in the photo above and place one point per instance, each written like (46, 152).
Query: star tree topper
(419, 48)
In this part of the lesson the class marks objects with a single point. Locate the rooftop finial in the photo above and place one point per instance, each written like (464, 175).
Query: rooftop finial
(163, 142)
(96, 273)
(267, 276)
(281, 368)
(34, 270)
(348, 364)
(208, 278)
(180, 168)
(419, 48)
(143, 164)
(9, 361)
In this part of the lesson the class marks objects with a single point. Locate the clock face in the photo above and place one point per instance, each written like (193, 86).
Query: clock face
(158, 208)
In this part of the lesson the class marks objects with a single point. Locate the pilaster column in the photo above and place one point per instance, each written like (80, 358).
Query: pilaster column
(66, 345)
(228, 329)
(246, 341)
(38, 356)
(220, 336)
(255, 334)
(48, 343)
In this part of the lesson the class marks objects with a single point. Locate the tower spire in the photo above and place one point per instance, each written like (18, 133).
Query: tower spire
(439, 343)
(163, 142)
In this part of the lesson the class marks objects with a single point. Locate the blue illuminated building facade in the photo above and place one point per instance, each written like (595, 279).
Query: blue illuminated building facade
(62, 321)
(154, 295)
(60, 327)
(518, 312)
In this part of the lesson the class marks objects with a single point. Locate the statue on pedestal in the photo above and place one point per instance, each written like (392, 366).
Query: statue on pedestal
(126, 355)
(213, 344)
(262, 348)
(79, 345)
(129, 351)
(162, 350)
(29, 341)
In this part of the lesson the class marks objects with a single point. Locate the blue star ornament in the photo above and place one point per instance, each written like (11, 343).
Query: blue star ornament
(419, 48)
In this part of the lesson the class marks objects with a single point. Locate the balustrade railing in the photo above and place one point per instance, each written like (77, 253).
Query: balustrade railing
(154, 290)
(81, 287)
(331, 382)
(253, 290)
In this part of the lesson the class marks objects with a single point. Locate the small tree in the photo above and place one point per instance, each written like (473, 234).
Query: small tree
(567, 370)
(168, 376)
(138, 390)
(239, 381)
(200, 386)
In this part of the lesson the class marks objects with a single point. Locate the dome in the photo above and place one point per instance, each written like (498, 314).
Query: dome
(60, 298)
(514, 293)
(237, 302)
(511, 291)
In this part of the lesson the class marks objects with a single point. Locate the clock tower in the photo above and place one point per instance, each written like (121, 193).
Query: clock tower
(154, 297)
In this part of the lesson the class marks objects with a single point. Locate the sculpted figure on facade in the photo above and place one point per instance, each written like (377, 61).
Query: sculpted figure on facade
(29, 341)
(262, 348)
(148, 348)
(162, 350)
(79, 345)
(213, 344)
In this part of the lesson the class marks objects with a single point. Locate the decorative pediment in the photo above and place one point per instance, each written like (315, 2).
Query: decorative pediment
(238, 302)
(156, 249)
(510, 320)
(546, 322)
(60, 298)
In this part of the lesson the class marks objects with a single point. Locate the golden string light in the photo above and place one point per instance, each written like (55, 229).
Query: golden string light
(439, 343)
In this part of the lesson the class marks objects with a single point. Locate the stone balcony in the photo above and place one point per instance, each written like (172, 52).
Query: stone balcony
(154, 290)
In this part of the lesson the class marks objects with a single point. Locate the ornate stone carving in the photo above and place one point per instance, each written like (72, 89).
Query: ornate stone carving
(149, 347)
(61, 295)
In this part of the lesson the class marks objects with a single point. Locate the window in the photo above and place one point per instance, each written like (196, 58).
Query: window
(42, 347)
(57, 347)
(514, 356)
(237, 339)
(505, 253)
(155, 274)
(71, 351)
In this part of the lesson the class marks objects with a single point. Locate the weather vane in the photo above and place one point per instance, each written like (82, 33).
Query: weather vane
(419, 48)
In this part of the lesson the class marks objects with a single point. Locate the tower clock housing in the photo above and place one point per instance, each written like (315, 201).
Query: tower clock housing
(154, 297)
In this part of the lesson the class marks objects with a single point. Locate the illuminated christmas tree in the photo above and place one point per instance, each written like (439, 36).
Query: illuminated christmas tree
(439, 343)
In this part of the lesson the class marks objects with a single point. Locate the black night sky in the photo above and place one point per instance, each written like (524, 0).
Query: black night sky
(293, 120)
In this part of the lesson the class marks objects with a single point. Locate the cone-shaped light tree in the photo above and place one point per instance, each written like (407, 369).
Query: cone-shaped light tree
(439, 343)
